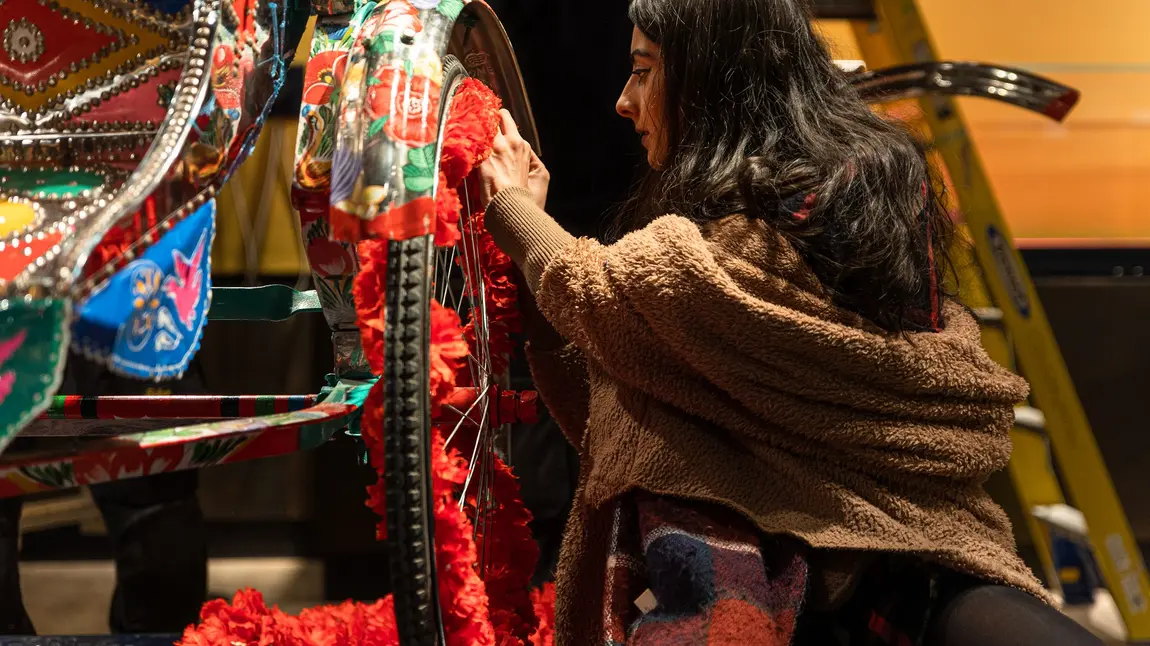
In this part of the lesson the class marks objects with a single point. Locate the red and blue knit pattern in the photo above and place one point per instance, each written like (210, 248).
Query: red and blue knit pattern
(711, 578)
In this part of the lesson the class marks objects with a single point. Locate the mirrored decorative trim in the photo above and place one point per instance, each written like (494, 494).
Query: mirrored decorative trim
(100, 214)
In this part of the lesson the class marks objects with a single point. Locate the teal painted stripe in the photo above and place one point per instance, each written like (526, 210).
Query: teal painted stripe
(266, 303)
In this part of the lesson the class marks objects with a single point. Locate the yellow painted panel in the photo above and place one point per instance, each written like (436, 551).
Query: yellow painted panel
(14, 216)
(303, 50)
(260, 189)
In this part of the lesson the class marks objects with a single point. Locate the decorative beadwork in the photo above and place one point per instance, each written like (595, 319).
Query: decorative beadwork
(23, 41)
(55, 182)
(64, 57)
(30, 267)
(164, 94)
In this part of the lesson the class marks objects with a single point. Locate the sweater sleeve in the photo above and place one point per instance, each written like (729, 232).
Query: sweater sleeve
(561, 378)
(580, 295)
(559, 370)
(527, 234)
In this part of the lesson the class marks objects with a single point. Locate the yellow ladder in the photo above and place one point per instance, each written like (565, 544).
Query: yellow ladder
(1015, 329)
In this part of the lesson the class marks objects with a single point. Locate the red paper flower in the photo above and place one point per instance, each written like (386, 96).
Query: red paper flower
(448, 351)
(370, 289)
(324, 73)
(461, 592)
(469, 130)
(512, 553)
(447, 208)
(544, 600)
(410, 104)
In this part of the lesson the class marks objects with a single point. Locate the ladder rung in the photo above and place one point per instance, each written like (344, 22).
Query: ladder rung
(1030, 418)
(843, 9)
(988, 315)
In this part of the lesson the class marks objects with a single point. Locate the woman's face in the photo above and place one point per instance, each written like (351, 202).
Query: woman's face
(642, 97)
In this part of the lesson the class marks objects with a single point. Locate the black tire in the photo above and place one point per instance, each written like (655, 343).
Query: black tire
(407, 426)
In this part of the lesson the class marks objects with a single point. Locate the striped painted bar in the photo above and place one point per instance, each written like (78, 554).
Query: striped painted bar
(510, 407)
(174, 407)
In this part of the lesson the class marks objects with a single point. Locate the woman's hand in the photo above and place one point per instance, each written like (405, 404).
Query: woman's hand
(513, 163)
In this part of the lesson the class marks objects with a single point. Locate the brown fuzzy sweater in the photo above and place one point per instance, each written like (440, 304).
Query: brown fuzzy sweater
(707, 362)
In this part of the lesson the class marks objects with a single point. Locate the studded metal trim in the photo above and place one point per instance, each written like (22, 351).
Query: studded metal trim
(23, 41)
(67, 259)
(145, 241)
(130, 74)
(112, 176)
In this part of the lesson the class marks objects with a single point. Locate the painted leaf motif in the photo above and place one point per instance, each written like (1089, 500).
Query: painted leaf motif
(450, 8)
(422, 158)
(418, 184)
(320, 41)
(212, 451)
(381, 44)
(56, 476)
(301, 142)
(325, 116)
(329, 295)
(376, 126)
(419, 173)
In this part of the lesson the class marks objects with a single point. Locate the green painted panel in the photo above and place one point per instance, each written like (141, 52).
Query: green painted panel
(33, 344)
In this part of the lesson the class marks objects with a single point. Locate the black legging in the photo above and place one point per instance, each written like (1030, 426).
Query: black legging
(903, 602)
(995, 615)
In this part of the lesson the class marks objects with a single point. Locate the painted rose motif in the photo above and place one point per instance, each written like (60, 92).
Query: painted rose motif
(324, 74)
(329, 258)
(225, 78)
(411, 115)
(400, 15)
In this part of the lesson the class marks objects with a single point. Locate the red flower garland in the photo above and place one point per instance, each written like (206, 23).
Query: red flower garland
(544, 600)
(502, 611)
(512, 553)
(248, 621)
(511, 550)
(501, 296)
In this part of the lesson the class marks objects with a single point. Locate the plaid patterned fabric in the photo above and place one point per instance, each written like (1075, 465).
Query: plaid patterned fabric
(712, 580)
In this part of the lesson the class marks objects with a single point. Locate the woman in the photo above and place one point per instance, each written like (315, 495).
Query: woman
(784, 423)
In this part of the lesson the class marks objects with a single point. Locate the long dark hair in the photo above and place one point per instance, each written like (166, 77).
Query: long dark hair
(758, 113)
